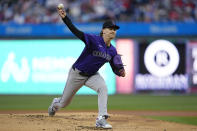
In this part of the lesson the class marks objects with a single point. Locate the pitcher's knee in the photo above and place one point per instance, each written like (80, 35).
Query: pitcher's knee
(102, 88)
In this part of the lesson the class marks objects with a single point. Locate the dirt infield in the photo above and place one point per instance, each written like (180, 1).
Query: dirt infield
(84, 121)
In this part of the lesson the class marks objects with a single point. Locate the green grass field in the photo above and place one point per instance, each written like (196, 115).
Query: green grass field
(115, 102)
(179, 119)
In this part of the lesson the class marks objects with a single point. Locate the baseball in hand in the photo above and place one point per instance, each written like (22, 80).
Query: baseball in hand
(60, 6)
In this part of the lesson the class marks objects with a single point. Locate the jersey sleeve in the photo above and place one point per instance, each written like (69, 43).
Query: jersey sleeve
(111, 61)
(112, 64)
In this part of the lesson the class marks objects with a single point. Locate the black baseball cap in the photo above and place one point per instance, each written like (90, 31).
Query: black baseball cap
(110, 24)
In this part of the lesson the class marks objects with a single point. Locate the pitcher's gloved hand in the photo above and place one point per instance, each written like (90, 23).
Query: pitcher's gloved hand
(122, 72)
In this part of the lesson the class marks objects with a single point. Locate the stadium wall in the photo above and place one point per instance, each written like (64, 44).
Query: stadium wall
(24, 46)
(126, 30)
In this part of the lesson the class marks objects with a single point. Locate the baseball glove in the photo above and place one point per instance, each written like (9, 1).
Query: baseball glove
(117, 65)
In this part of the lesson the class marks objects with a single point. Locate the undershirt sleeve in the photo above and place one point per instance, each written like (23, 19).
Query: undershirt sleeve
(73, 29)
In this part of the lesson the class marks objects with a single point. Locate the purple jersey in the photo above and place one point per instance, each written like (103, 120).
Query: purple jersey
(94, 55)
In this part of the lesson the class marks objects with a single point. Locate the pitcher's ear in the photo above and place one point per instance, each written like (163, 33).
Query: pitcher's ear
(101, 33)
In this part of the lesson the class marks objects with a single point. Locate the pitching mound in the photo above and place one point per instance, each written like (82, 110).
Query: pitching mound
(83, 121)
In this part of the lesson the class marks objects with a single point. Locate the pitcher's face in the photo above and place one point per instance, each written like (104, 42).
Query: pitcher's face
(109, 33)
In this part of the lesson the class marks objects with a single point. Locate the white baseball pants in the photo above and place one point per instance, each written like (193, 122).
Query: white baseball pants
(75, 81)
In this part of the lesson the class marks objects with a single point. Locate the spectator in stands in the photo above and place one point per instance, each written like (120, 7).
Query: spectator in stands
(44, 11)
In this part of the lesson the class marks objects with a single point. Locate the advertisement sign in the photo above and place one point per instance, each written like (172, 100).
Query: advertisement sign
(161, 66)
(127, 29)
(193, 64)
(42, 66)
(125, 47)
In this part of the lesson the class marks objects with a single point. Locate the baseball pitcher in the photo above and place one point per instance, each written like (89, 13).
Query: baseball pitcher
(98, 51)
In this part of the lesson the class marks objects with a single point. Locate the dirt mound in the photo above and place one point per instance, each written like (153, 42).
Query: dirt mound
(83, 121)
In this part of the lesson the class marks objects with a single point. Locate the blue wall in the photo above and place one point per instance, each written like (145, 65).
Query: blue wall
(126, 29)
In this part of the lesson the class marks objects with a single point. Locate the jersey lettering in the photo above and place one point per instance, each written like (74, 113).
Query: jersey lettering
(101, 54)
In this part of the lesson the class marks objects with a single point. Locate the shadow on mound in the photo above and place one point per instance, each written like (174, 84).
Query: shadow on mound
(91, 128)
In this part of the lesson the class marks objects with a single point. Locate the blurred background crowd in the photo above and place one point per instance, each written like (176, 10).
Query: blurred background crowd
(44, 11)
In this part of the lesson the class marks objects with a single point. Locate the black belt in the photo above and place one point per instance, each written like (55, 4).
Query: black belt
(82, 73)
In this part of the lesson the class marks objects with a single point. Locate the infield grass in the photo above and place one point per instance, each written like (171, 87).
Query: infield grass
(115, 102)
(177, 119)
